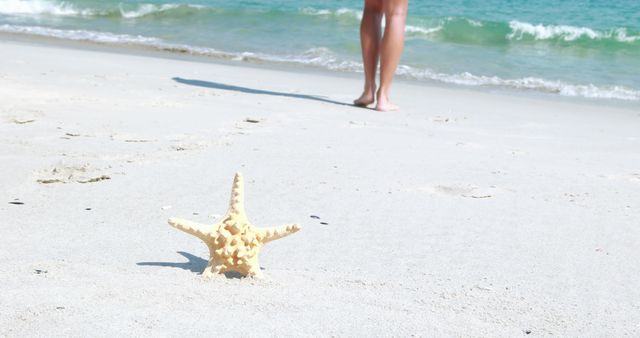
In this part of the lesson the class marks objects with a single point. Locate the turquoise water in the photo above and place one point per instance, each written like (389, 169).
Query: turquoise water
(578, 48)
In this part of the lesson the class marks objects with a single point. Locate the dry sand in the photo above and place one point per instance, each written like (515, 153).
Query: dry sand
(467, 213)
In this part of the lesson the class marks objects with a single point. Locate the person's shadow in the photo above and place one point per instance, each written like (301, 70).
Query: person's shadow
(222, 86)
(194, 264)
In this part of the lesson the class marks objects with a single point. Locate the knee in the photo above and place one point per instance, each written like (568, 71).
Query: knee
(396, 12)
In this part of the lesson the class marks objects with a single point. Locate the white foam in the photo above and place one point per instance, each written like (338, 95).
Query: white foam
(620, 34)
(530, 83)
(146, 9)
(325, 58)
(318, 57)
(313, 11)
(350, 12)
(422, 30)
(418, 30)
(40, 7)
(357, 14)
(57, 8)
(475, 23)
(80, 35)
(520, 30)
(338, 12)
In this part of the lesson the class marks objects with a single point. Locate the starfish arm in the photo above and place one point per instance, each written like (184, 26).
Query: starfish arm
(192, 228)
(236, 205)
(271, 234)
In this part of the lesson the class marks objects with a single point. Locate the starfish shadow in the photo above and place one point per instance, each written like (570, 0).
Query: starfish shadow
(246, 90)
(194, 264)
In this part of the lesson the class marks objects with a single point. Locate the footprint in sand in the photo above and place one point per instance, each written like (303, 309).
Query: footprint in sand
(633, 177)
(194, 142)
(65, 172)
(357, 124)
(25, 117)
(23, 121)
(443, 119)
(467, 191)
(207, 92)
(469, 145)
(189, 146)
(130, 138)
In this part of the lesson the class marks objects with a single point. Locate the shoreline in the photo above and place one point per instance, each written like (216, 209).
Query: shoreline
(466, 213)
(178, 53)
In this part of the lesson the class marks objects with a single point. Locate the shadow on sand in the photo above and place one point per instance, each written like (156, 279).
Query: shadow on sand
(195, 264)
(222, 86)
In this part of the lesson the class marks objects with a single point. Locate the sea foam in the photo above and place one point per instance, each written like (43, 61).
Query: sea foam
(521, 30)
(528, 83)
(149, 9)
(340, 12)
(53, 8)
(145, 9)
(40, 7)
(81, 35)
(325, 58)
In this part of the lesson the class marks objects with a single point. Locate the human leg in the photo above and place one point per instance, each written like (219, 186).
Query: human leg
(395, 12)
(370, 33)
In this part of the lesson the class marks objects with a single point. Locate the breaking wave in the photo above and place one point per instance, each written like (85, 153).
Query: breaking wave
(523, 30)
(54, 8)
(149, 9)
(41, 7)
(464, 30)
(341, 12)
(452, 29)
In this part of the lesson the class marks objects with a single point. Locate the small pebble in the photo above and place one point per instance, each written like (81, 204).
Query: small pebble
(315, 217)
(16, 203)
(59, 307)
(324, 223)
(527, 331)
(87, 209)
(39, 272)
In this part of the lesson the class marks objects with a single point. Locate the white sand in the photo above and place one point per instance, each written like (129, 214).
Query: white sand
(465, 214)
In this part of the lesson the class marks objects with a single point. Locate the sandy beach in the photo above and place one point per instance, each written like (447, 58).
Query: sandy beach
(468, 213)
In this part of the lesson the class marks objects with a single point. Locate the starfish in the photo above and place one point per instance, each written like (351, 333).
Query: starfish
(234, 243)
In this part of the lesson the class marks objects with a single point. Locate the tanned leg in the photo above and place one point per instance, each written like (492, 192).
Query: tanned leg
(370, 33)
(395, 12)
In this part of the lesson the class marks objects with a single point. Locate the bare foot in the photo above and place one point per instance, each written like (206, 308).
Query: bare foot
(384, 104)
(368, 97)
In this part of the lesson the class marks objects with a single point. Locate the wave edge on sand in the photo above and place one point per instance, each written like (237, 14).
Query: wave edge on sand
(325, 58)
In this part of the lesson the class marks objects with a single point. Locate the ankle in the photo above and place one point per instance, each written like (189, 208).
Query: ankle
(370, 89)
(381, 93)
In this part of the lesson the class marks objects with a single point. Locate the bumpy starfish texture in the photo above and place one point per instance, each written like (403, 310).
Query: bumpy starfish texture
(233, 242)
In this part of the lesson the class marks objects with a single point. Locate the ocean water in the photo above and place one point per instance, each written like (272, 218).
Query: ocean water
(583, 48)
